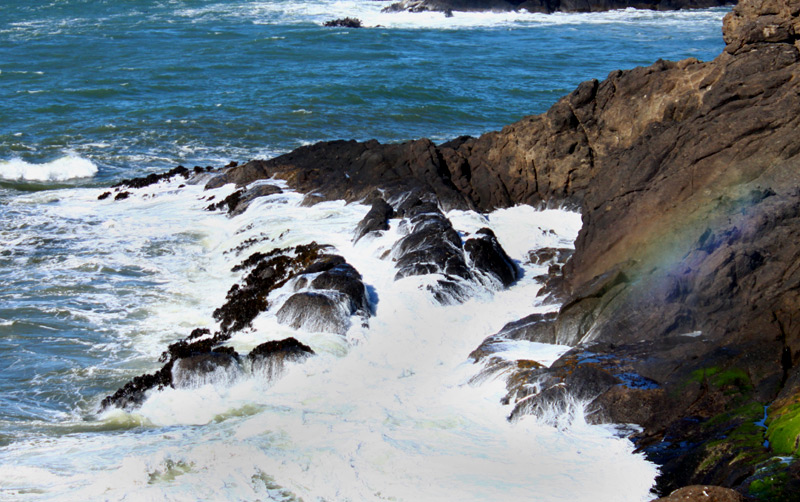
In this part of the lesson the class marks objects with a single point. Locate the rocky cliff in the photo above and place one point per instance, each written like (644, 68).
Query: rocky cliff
(682, 298)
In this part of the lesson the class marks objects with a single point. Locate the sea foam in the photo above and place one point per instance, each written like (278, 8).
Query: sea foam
(62, 169)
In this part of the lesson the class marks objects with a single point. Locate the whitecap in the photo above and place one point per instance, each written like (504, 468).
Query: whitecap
(62, 169)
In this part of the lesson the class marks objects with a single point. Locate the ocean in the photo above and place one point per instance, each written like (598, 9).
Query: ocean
(92, 291)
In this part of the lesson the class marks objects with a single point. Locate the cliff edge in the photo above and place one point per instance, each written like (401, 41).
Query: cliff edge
(682, 299)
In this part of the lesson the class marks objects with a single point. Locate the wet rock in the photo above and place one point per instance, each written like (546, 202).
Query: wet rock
(345, 22)
(703, 493)
(431, 245)
(487, 256)
(346, 280)
(104, 196)
(377, 219)
(153, 178)
(269, 271)
(203, 369)
(122, 196)
(239, 175)
(544, 256)
(269, 359)
(329, 292)
(315, 311)
(238, 202)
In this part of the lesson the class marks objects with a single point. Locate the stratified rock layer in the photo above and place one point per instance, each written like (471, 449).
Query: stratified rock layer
(683, 295)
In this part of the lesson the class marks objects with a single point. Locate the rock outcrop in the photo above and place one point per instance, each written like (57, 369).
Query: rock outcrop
(682, 297)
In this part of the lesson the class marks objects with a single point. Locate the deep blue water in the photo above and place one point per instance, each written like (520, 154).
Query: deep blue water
(141, 85)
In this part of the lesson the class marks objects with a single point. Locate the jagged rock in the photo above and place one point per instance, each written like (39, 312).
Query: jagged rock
(431, 246)
(345, 22)
(487, 256)
(377, 219)
(239, 175)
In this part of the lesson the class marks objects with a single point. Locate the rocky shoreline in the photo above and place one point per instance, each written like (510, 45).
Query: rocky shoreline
(682, 297)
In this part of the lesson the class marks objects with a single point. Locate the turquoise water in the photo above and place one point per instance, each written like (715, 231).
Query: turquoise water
(90, 293)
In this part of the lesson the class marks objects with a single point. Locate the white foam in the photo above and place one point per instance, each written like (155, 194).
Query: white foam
(371, 15)
(382, 412)
(65, 168)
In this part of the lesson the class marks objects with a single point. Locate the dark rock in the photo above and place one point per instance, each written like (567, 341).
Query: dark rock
(344, 279)
(269, 272)
(104, 196)
(122, 196)
(239, 175)
(377, 219)
(270, 358)
(238, 202)
(203, 369)
(487, 256)
(317, 311)
(345, 22)
(153, 178)
(329, 292)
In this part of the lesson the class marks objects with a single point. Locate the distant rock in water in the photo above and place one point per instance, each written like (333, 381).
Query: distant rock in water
(548, 6)
(345, 22)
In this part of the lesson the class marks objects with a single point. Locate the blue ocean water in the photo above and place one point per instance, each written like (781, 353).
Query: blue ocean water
(143, 84)
(90, 293)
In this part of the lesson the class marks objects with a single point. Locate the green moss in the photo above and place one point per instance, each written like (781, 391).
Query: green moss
(768, 488)
(784, 430)
(733, 379)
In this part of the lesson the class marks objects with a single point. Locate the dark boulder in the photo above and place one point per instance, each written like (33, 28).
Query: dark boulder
(202, 369)
(317, 311)
(328, 293)
(269, 359)
(377, 219)
(487, 256)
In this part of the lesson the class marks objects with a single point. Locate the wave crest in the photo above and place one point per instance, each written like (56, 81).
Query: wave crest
(62, 169)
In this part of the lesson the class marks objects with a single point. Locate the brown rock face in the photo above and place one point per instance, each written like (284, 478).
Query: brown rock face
(686, 274)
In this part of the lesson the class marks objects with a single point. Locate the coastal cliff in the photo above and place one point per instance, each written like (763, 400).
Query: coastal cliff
(682, 298)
